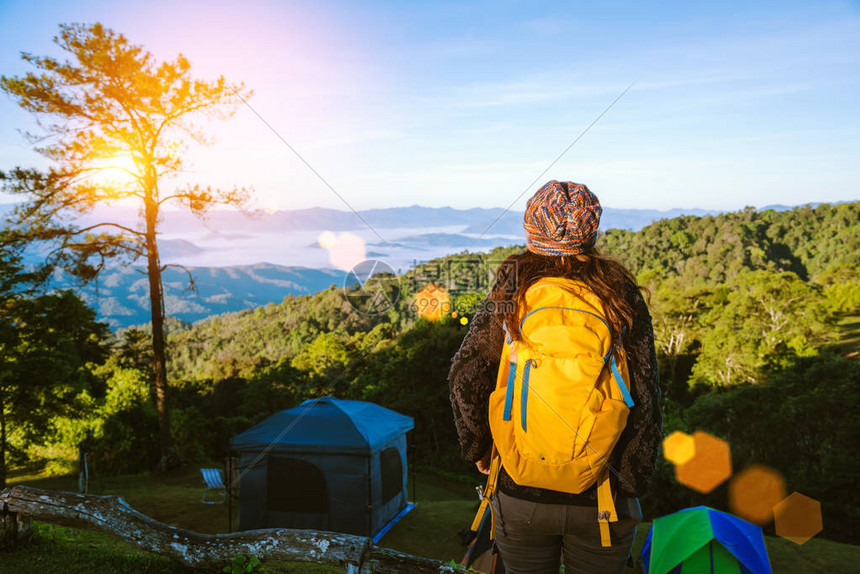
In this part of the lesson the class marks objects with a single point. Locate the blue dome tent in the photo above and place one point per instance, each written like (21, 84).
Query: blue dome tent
(327, 464)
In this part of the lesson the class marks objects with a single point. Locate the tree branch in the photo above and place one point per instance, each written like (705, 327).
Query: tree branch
(192, 284)
(123, 227)
(174, 196)
(112, 515)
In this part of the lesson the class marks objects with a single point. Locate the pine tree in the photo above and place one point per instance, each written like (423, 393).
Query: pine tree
(112, 108)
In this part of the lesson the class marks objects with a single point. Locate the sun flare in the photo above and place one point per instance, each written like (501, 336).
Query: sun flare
(115, 171)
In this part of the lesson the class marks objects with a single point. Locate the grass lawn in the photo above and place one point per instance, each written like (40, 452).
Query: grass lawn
(444, 507)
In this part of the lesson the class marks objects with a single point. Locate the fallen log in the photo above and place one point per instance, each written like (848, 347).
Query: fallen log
(113, 515)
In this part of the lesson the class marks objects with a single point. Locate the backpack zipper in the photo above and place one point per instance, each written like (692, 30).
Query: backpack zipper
(524, 397)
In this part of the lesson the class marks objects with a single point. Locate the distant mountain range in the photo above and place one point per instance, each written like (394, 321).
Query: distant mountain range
(121, 294)
(474, 220)
(511, 223)
(242, 261)
(401, 236)
(477, 220)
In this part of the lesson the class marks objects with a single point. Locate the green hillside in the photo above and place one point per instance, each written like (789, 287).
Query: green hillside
(755, 317)
(821, 246)
(713, 249)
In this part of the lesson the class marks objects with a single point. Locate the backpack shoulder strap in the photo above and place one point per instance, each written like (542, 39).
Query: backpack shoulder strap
(606, 512)
(487, 494)
(512, 376)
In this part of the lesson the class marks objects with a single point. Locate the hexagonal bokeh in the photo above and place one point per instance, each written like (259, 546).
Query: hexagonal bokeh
(432, 302)
(798, 518)
(679, 447)
(710, 466)
(754, 492)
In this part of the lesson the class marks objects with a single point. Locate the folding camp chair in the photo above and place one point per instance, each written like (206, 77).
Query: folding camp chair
(215, 483)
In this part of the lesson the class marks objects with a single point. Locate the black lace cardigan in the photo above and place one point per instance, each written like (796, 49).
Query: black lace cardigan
(633, 461)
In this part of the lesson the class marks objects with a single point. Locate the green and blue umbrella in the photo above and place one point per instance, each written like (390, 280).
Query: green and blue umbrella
(704, 540)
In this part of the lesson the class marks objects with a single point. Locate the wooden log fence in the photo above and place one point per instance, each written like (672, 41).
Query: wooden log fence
(112, 515)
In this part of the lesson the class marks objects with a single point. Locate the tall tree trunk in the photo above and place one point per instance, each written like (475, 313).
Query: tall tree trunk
(159, 360)
(2, 442)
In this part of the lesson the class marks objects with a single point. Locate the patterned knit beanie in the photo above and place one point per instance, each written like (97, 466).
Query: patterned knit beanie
(562, 219)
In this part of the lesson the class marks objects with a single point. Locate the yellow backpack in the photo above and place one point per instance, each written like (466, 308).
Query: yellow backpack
(561, 401)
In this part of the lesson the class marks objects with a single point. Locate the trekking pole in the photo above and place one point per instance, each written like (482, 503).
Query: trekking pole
(412, 472)
(228, 467)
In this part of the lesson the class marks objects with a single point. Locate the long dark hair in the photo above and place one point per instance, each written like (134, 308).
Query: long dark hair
(606, 277)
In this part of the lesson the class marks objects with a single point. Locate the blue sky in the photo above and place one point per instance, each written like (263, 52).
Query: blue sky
(465, 104)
